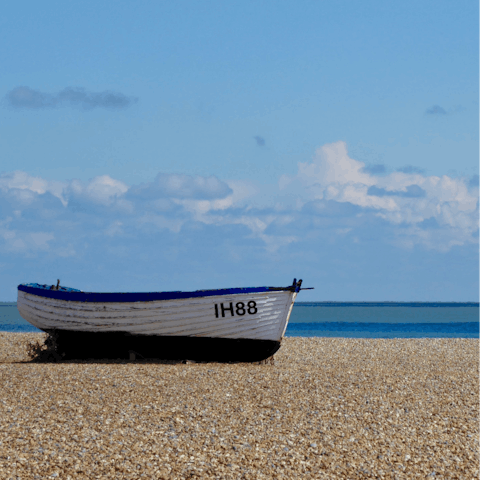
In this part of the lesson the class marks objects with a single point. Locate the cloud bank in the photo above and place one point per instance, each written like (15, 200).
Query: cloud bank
(409, 208)
(332, 209)
(27, 98)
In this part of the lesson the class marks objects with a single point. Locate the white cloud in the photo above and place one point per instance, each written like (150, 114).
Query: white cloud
(331, 165)
(399, 198)
(25, 184)
(102, 190)
(333, 196)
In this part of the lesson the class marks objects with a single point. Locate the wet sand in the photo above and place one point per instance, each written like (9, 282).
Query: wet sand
(327, 408)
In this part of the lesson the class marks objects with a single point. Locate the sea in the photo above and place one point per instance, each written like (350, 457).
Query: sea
(349, 320)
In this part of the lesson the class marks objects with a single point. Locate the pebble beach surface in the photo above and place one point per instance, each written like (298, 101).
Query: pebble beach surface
(327, 408)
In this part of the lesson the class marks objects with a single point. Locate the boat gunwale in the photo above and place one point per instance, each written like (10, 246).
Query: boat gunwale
(67, 294)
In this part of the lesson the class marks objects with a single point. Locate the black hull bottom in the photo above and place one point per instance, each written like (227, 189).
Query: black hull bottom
(113, 345)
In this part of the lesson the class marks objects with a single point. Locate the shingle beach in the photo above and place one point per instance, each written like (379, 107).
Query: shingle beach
(328, 408)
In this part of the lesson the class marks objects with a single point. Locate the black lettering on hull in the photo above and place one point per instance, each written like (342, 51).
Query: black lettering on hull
(240, 309)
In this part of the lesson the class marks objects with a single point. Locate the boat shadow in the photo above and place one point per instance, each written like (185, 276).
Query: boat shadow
(120, 348)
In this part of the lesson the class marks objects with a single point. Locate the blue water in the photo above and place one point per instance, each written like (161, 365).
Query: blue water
(384, 320)
(350, 319)
(11, 321)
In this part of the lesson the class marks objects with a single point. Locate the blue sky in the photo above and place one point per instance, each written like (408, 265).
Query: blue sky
(189, 145)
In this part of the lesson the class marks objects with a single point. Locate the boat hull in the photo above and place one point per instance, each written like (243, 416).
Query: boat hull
(224, 325)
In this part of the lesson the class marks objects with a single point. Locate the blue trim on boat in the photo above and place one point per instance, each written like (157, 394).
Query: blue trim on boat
(74, 295)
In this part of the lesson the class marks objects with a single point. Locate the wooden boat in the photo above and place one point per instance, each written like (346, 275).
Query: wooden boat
(236, 324)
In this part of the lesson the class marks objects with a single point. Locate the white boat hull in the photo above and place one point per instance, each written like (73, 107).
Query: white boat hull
(191, 317)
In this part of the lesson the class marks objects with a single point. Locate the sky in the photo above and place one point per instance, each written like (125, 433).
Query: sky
(186, 145)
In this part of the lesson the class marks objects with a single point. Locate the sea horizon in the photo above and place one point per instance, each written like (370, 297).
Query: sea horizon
(364, 319)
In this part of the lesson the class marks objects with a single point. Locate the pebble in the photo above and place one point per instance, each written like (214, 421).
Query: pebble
(327, 408)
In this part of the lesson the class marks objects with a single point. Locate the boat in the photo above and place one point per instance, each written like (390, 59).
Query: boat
(233, 324)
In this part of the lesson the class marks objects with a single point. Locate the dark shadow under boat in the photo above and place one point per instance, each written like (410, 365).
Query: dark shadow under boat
(73, 345)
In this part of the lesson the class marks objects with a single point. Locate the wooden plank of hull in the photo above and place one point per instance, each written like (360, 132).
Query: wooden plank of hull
(190, 317)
